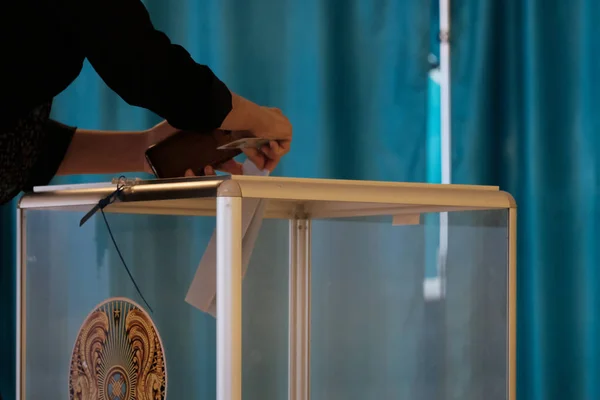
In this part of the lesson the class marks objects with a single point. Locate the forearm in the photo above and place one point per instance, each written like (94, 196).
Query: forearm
(105, 152)
(242, 116)
(143, 66)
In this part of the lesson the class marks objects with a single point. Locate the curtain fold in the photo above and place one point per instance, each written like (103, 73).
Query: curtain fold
(352, 77)
(525, 116)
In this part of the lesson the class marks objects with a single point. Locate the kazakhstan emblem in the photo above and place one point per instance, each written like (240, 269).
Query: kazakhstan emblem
(118, 355)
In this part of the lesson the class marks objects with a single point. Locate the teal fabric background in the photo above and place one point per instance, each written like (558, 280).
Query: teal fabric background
(525, 116)
(352, 77)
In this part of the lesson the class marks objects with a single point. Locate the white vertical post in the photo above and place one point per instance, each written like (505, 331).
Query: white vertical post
(299, 310)
(512, 304)
(229, 298)
(20, 311)
(446, 132)
(445, 99)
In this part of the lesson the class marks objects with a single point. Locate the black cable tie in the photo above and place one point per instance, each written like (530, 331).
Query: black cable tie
(111, 198)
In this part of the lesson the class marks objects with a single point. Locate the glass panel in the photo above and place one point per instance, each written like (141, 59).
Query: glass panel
(374, 333)
(71, 270)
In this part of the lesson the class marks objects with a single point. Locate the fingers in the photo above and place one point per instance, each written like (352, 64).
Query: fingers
(285, 146)
(272, 153)
(231, 167)
(269, 156)
(257, 157)
(277, 148)
(265, 158)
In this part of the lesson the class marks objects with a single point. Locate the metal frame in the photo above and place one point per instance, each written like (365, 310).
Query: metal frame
(445, 98)
(316, 199)
(229, 298)
(445, 134)
(299, 309)
(21, 308)
(320, 197)
(512, 303)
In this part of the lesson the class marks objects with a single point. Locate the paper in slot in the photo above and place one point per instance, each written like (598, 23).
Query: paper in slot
(203, 290)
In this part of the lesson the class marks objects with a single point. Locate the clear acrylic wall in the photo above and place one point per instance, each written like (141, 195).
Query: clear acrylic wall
(374, 335)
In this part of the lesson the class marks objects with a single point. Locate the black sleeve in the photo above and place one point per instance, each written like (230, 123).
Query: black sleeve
(56, 141)
(142, 65)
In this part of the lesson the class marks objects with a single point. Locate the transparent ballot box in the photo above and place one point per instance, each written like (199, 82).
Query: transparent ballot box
(347, 290)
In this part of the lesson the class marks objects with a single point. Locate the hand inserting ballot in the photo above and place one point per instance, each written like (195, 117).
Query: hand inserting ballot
(265, 158)
(261, 122)
(271, 153)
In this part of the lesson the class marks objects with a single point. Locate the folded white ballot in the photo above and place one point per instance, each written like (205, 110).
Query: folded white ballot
(203, 290)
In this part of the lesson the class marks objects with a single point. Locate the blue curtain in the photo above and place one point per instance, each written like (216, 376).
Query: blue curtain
(352, 77)
(525, 116)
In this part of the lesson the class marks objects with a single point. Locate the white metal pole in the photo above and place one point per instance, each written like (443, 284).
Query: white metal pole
(445, 90)
(229, 298)
(299, 310)
(446, 132)
(21, 280)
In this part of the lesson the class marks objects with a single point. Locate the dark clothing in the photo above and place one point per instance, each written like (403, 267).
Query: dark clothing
(45, 42)
(31, 152)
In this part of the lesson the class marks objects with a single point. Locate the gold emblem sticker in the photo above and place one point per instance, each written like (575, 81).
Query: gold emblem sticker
(118, 355)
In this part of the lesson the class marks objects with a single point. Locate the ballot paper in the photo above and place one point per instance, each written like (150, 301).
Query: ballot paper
(203, 290)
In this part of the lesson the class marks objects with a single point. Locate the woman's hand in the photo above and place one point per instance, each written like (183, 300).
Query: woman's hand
(231, 167)
(271, 124)
(261, 122)
(247, 117)
(266, 158)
